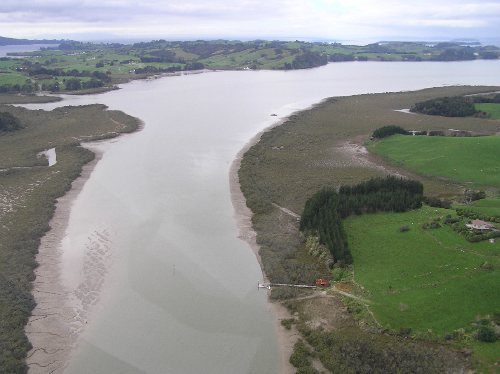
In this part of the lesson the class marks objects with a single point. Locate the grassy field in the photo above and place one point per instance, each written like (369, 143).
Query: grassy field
(490, 207)
(492, 109)
(474, 160)
(426, 279)
(433, 281)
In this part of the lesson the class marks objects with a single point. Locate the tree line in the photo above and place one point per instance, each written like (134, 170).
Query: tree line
(70, 73)
(325, 210)
(153, 69)
(307, 60)
(389, 130)
(446, 106)
(457, 106)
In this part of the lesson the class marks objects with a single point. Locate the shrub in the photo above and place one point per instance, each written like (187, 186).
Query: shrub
(337, 274)
(300, 355)
(486, 334)
(437, 202)
(436, 133)
(8, 122)
(386, 131)
(431, 225)
(306, 370)
(287, 323)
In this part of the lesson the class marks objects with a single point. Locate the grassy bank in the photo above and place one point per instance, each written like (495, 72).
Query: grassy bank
(473, 160)
(321, 148)
(29, 192)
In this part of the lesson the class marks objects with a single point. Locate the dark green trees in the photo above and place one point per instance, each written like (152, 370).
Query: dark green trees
(324, 211)
(8, 122)
(446, 106)
(386, 131)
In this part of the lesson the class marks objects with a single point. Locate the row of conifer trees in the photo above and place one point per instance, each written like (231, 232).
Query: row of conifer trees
(325, 210)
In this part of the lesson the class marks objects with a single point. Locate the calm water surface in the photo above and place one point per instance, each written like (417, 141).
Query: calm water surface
(177, 292)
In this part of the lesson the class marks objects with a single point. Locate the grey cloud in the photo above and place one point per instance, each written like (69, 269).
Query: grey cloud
(109, 10)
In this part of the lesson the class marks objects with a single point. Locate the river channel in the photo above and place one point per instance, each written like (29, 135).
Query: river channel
(175, 290)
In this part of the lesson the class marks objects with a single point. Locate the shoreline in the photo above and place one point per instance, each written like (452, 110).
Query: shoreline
(352, 148)
(54, 327)
(243, 217)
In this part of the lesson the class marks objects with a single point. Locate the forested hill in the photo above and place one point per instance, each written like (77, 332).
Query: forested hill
(12, 41)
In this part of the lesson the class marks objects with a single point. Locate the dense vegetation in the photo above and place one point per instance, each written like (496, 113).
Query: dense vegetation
(446, 106)
(378, 354)
(324, 211)
(458, 106)
(29, 190)
(20, 241)
(386, 131)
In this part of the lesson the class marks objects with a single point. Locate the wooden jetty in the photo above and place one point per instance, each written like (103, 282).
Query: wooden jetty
(269, 285)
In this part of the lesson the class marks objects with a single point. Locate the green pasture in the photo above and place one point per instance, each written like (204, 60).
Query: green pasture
(491, 108)
(492, 204)
(465, 160)
(489, 207)
(13, 78)
(429, 279)
(263, 58)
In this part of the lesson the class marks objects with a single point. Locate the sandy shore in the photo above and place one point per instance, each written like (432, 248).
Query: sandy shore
(243, 217)
(54, 326)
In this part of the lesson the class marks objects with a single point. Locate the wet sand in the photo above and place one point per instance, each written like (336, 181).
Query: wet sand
(54, 326)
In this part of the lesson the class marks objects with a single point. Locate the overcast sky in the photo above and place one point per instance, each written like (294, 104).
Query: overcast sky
(332, 20)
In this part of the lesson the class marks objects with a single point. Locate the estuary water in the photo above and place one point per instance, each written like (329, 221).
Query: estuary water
(151, 257)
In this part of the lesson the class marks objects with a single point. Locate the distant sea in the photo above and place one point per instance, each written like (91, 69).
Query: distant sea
(4, 49)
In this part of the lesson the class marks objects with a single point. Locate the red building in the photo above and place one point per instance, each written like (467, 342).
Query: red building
(322, 282)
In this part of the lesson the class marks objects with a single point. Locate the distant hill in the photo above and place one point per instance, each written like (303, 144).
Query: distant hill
(12, 41)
